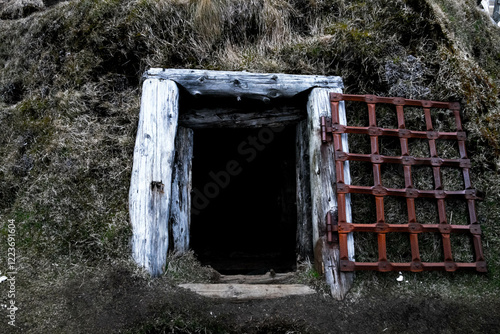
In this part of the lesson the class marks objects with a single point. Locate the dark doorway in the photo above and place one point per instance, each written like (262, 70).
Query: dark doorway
(243, 201)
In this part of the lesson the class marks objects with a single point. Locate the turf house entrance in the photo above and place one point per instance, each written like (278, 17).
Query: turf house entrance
(252, 172)
(231, 165)
(243, 215)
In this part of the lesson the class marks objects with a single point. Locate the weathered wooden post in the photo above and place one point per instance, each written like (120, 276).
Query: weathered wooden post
(323, 196)
(150, 186)
(304, 246)
(496, 11)
(180, 203)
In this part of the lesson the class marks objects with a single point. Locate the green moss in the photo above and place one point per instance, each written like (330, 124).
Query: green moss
(355, 34)
(33, 108)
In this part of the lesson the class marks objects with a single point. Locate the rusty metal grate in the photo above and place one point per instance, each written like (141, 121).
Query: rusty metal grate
(414, 227)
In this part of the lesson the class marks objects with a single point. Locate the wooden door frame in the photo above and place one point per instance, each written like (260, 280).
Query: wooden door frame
(159, 197)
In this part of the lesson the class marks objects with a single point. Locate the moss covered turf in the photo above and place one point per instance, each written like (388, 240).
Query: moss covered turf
(69, 102)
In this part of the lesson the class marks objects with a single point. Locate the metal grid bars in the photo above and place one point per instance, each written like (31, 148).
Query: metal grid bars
(413, 226)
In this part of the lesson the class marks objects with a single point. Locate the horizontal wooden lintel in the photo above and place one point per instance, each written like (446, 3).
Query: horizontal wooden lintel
(243, 85)
(241, 118)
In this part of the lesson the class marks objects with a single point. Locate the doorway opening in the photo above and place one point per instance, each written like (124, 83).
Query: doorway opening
(243, 211)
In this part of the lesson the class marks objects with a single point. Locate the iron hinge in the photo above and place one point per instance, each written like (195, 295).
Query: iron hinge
(326, 129)
(332, 228)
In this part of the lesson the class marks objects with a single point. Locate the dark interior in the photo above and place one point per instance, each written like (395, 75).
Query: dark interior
(243, 200)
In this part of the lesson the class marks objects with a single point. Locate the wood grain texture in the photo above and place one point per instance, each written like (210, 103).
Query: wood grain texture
(240, 118)
(150, 186)
(180, 202)
(249, 291)
(323, 196)
(259, 86)
(267, 278)
(304, 247)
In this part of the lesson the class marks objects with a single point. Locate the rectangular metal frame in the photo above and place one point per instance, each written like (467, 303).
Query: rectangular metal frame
(413, 227)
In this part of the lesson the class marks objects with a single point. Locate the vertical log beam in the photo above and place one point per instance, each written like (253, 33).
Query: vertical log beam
(150, 186)
(496, 11)
(304, 216)
(180, 203)
(324, 199)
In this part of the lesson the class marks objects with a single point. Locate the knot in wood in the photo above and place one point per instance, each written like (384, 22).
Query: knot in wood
(157, 186)
(273, 93)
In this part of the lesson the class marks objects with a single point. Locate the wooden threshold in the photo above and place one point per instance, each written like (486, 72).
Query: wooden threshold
(267, 278)
(249, 291)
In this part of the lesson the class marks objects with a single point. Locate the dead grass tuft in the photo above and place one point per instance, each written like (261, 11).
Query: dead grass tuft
(185, 268)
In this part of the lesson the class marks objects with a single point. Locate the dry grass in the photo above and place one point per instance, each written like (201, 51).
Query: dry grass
(185, 268)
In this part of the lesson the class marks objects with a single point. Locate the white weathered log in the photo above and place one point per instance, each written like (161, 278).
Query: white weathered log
(347, 178)
(180, 203)
(150, 186)
(239, 118)
(259, 86)
(304, 214)
(496, 13)
(248, 291)
(323, 196)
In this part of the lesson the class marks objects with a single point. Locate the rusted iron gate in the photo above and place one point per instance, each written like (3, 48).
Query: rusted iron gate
(333, 128)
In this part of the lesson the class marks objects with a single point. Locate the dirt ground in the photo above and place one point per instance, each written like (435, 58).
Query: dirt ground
(119, 301)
